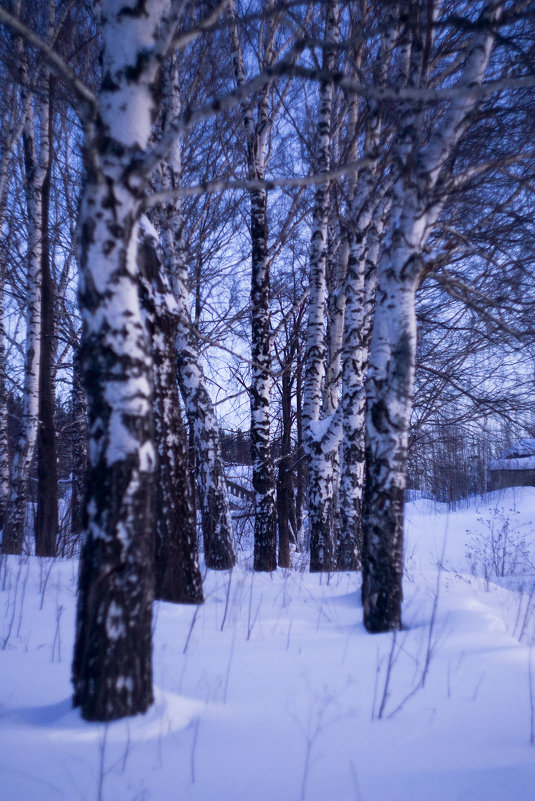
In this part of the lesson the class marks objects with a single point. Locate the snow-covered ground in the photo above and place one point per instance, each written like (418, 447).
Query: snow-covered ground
(273, 691)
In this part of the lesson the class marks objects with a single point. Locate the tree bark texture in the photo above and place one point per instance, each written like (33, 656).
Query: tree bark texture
(286, 519)
(359, 293)
(112, 665)
(112, 662)
(257, 135)
(416, 202)
(176, 564)
(321, 455)
(265, 532)
(389, 396)
(36, 159)
(215, 510)
(11, 128)
(46, 517)
(79, 446)
(363, 216)
(4, 444)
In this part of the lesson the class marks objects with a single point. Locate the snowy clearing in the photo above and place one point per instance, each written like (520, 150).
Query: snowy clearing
(273, 691)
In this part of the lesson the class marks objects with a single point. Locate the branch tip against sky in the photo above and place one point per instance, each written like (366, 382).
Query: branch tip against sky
(55, 61)
(286, 66)
(250, 185)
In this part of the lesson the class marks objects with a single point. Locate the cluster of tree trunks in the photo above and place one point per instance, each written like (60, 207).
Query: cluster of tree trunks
(139, 358)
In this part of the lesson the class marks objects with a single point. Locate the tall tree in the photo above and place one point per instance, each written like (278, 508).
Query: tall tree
(46, 516)
(321, 437)
(364, 219)
(14, 108)
(215, 509)
(176, 563)
(112, 669)
(419, 162)
(257, 124)
(36, 160)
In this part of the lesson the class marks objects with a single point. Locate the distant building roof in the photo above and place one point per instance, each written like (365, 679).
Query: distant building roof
(519, 456)
(524, 447)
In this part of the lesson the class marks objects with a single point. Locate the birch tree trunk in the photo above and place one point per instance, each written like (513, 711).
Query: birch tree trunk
(265, 532)
(112, 667)
(4, 445)
(11, 128)
(257, 134)
(416, 203)
(46, 517)
(176, 563)
(320, 445)
(215, 509)
(79, 447)
(286, 518)
(36, 157)
(364, 215)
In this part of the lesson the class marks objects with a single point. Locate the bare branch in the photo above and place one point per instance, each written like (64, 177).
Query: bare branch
(54, 61)
(251, 185)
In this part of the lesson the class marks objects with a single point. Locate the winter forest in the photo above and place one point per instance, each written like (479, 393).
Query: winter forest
(267, 333)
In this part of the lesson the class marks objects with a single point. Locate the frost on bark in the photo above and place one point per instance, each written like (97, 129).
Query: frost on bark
(215, 510)
(176, 564)
(112, 665)
(416, 201)
(36, 158)
(257, 136)
(320, 444)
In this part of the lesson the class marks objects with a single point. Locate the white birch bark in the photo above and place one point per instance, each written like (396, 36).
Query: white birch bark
(112, 669)
(37, 154)
(215, 508)
(364, 220)
(11, 128)
(176, 562)
(320, 445)
(257, 136)
(393, 347)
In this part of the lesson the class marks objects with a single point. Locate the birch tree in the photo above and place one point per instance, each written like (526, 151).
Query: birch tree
(364, 225)
(321, 437)
(257, 132)
(46, 516)
(176, 563)
(112, 670)
(418, 166)
(14, 108)
(36, 160)
(215, 510)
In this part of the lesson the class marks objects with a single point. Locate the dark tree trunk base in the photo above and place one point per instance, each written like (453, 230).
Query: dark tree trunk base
(112, 665)
(382, 573)
(218, 550)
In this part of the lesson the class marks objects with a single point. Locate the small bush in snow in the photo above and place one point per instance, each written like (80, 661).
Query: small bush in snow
(498, 548)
